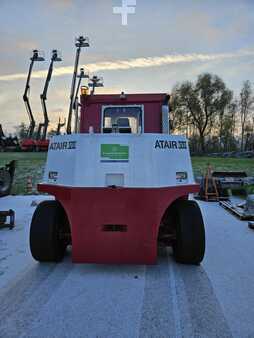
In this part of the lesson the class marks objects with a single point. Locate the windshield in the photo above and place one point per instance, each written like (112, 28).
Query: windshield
(125, 119)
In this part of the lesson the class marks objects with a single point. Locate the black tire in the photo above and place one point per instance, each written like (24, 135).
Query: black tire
(2, 220)
(48, 222)
(5, 182)
(189, 247)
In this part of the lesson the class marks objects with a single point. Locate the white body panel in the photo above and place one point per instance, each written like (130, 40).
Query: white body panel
(147, 160)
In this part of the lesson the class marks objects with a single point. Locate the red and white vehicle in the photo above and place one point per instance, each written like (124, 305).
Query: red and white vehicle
(121, 185)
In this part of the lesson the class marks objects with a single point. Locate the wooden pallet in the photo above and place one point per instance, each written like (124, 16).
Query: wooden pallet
(237, 210)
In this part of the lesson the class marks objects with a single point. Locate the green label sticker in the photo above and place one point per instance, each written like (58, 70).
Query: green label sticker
(114, 153)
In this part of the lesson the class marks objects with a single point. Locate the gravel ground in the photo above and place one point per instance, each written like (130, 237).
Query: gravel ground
(215, 299)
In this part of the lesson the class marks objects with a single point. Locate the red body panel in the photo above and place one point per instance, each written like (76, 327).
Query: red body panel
(42, 145)
(91, 108)
(32, 145)
(140, 209)
(28, 145)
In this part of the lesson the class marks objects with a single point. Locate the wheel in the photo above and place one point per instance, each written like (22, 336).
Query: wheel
(49, 223)
(189, 246)
(2, 220)
(5, 182)
(201, 193)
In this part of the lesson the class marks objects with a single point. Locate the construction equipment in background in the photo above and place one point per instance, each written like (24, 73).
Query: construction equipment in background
(76, 103)
(217, 185)
(95, 82)
(2, 139)
(29, 144)
(243, 210)
(231, 180)
(1, 132)
(208, 187)
(80, 42)
(59, 126)
(41, 141)
(2, 136)
(6, 180)
(8, 143)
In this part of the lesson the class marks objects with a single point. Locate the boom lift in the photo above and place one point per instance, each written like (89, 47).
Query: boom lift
(28, 144)
(95, 82)
(76, 104)
(42, 143)
(1, 132)
(59, 126)
(80, 43)
(2, 139)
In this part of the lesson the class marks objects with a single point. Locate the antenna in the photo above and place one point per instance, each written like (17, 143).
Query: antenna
(95, 82)
(80, 43)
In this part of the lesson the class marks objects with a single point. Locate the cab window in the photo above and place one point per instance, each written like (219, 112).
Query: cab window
(125, 119)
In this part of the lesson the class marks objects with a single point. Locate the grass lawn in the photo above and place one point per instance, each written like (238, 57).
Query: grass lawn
(28, 164)
(217, 163)
(32, 164)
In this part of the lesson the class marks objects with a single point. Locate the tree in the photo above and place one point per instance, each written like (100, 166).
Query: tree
(21, 130)
(227, 127)
(245, 108)
(223, 116)
(178, 115)
(200, 103)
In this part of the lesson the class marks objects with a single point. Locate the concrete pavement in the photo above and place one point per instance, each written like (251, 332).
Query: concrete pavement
(215, 299)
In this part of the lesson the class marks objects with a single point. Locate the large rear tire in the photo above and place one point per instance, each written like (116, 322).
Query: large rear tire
(47, 226)
(189, 246)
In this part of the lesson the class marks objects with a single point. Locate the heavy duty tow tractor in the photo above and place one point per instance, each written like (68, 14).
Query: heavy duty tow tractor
(121, 185)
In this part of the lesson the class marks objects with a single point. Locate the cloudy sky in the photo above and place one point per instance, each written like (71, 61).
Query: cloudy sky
(165, 41)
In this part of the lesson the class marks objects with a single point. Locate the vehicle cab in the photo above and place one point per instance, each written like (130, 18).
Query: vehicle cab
(124, 113)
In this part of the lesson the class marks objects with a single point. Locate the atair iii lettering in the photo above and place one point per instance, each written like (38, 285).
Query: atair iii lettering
(63, 145)
(164, 144)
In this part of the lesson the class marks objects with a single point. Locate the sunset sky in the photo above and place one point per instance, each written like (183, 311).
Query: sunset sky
(165, 41)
